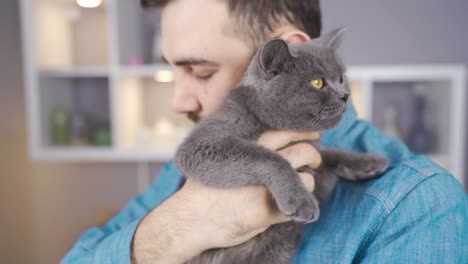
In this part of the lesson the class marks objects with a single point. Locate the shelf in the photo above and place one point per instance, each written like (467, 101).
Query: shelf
(73, 105)
(75, 72)
(144, 117)
(376, 88)
(400, 99)
(98, 154)
(358, 96)
(144, 70)
(67, 35)
(403, 73)
(138, 33)
(102, 71)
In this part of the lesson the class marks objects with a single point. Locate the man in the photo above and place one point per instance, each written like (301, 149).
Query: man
(415, 213)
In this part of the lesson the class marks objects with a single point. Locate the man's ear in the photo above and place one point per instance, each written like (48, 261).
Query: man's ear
(332, 39)
(273, 56)
(295, 36)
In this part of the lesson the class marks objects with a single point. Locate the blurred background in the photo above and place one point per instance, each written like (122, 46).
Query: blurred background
(84, 104)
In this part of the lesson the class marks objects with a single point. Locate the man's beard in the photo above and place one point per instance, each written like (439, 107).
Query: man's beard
(194, 117)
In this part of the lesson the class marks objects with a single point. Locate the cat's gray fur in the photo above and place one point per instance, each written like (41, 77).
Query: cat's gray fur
(275, 93)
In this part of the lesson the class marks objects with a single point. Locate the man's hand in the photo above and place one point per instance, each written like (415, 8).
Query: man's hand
(198, 217)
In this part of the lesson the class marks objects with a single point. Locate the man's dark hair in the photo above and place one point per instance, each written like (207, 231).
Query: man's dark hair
(256, 19)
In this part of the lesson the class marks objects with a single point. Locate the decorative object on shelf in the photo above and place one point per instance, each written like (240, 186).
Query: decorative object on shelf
(164, 76)
(89, 3)
(390, 123)
(60, 126)
(102, 137)
(164, 127)
(135, 60)
(79, 129)
(419, 135)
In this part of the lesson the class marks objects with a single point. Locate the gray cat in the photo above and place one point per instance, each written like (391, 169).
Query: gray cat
(299, 87)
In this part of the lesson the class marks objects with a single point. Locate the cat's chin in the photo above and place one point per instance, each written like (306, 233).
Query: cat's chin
(315, 123)
(329, 122)
(332, 111)
(334, 121)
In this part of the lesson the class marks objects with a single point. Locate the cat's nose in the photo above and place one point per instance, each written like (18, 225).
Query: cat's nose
(345, 98)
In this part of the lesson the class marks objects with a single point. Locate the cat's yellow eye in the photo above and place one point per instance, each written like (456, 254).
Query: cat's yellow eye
(317, 83)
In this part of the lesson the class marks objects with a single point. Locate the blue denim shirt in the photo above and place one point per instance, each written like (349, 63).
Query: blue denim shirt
(416, 213)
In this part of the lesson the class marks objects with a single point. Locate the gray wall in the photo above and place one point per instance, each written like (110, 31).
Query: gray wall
(401, 31)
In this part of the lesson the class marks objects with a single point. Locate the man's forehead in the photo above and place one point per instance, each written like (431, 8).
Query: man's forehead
(189, 24)
(195, 30)
(191, 47)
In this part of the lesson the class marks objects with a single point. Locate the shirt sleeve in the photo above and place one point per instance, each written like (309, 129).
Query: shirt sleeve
(427, 226)
(112, 242)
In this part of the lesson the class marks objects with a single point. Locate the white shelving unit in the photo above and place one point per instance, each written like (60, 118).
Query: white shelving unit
(104, 56)
(100, 55)
(444, 89)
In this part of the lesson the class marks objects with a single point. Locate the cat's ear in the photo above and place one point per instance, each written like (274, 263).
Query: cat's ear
(332, 39)
(273, 55)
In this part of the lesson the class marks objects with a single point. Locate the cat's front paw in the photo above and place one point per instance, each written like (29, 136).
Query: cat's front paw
(301, 208)
(374, 166)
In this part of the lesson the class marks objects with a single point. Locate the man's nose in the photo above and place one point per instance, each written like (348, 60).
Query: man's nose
(185, 99)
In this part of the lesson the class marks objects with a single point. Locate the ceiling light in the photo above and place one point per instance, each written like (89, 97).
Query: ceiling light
(89, 3)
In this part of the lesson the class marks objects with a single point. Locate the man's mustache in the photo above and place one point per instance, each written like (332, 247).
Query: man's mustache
(194, 117)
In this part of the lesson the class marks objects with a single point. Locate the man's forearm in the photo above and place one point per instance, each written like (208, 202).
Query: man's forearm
(169, 234)
(199, 217)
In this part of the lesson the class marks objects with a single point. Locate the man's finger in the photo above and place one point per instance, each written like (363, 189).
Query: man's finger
(279, 217)
(276, 139)
(301, 154)
(308, 181)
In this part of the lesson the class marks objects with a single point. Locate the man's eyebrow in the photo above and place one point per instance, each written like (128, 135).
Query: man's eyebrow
(189, 62)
